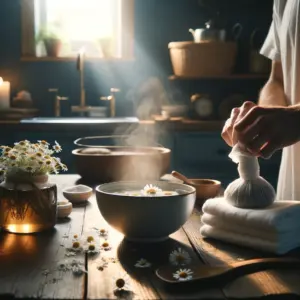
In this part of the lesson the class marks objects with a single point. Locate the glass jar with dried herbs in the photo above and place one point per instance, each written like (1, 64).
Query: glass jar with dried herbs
(28, 201)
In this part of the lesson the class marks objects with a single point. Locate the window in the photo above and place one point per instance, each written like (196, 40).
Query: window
(62, 28)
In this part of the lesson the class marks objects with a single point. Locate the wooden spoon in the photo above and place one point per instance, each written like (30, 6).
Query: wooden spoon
(224, 274)
(181, 177)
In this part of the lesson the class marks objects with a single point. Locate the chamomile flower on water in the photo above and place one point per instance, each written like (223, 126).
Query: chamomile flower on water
(151, 190)
(183, 274)
(142, 263)
(179, 257)
(121, 282)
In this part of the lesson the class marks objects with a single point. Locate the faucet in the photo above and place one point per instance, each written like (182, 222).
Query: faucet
(80, 68)
(57, 100)
(82, 108)
(112, 99)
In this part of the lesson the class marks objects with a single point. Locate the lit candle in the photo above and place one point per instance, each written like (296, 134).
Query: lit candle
(4, 93)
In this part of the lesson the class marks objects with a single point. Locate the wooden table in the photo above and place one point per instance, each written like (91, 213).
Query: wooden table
(24, 259)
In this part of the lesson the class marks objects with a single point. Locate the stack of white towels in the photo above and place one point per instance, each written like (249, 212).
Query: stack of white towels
(273, 229)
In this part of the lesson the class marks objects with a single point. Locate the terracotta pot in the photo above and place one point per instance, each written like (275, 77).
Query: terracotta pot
(122, 163)
(52, 47)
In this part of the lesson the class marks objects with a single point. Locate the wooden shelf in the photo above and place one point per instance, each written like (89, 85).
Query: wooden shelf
(230, 77)
(73, 58)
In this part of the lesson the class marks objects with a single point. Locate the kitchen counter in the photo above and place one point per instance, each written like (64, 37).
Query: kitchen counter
(108, 125)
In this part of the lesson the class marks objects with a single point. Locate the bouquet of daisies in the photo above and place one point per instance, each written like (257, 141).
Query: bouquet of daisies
(30, 158)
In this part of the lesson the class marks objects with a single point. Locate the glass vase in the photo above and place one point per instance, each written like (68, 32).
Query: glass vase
(28, 204)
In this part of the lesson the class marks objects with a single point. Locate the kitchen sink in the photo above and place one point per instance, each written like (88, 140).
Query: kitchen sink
(81, 120)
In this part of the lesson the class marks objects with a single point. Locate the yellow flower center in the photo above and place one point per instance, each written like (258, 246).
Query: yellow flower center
(76, 245)
(44, 142)
(90, 239)
(105, 244)
(39, 154)
(29, 168)
(179, 258)
(102, 231)
(22, 143)
(151, 191)
(183, 275)
(48, 162)
(120, 283)
(47, 157)
(75, 236)
(13, 157)
(92, 247)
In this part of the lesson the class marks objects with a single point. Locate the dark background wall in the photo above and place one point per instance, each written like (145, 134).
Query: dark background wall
(157, 22)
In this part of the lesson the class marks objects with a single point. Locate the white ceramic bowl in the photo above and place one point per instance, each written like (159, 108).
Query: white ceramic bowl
(64, 208)
(145, 219)
(78, 193)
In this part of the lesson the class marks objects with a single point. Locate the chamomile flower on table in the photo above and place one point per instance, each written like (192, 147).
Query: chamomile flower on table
(179, 257)
(183, 274)
(106, 246)
(92, 248)
(142, 263)
(121, 282)
(103, 232)
(150, 190)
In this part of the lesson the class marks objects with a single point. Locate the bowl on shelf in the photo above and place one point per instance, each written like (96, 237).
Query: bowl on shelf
(140, 218)
(174, 110)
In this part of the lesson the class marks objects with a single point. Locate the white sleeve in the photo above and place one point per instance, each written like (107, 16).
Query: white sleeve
(271, 46)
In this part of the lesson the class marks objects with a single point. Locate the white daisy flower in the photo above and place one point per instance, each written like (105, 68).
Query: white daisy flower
(150, 190)
(63, 266)
(57, 147)
(142, 263)
(105, 246)
(103, 232)
(179, 257)
(76, 246)
(92, 249)
(121, 282)
(183, 274)
(77, 267)
(78, 270)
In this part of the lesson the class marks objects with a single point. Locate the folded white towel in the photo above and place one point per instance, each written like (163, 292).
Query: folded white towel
(281, 216)
(249, 241)
(271, 236)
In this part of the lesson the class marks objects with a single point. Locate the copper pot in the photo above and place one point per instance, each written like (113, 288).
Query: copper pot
(118, 163)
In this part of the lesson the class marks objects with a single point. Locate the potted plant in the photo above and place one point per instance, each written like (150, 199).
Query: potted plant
(52, 41)
(28, 201)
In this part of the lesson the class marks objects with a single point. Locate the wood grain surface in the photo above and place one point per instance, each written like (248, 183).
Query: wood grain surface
(25, 258)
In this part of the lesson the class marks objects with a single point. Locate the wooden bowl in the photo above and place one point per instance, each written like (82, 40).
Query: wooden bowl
(122, 163)
(206, 188)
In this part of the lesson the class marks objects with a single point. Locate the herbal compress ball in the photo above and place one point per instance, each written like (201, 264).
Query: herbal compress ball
(250, 190)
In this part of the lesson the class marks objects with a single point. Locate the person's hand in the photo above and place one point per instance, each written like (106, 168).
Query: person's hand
(263, 130)
(228, 133)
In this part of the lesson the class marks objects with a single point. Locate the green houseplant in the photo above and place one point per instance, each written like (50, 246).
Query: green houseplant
(51, 39)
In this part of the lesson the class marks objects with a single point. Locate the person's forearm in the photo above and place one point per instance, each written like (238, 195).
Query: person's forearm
(272, 94)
